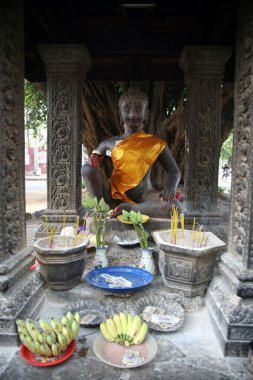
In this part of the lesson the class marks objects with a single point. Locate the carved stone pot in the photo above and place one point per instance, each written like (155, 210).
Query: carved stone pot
(62, 260)
(186, 268)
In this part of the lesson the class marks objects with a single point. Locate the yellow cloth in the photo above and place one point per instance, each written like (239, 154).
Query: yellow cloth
(132, 158)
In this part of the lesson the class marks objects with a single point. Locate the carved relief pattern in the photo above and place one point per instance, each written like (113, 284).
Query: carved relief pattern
(9, 307)
(60, 137)
(13, 233)
(178, 268)
(239, 333)
(241, 228)
(203, 139)
(204, 67)
(243, 313)
(205, 270)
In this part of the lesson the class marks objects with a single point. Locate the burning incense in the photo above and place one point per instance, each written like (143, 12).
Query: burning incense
(193, 226)
(47, 230)
(76, 230)
(173, 225)
(52, 233)
(182, 225)
(64, 225)
(199, 235)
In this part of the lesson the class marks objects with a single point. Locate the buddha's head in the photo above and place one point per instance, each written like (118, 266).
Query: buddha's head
(133, 106)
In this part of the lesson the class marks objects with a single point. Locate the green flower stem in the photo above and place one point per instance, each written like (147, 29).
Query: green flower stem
(141, 235)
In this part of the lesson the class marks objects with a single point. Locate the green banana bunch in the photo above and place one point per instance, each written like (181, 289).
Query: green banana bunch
(124, 329)
(136, 219)
(54, 337)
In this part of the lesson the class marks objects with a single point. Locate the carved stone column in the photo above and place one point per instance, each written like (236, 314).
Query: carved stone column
(65, 67)
(12, 183)
(204, 67)
(14, 257)
(230, 297)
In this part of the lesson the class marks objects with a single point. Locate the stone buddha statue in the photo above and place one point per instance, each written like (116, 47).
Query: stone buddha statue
(133, 153)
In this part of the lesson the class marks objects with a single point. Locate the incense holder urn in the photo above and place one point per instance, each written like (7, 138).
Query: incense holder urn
(187, 265)
(61, 260)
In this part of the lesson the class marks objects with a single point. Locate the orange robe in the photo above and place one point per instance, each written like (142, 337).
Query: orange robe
(132, 158)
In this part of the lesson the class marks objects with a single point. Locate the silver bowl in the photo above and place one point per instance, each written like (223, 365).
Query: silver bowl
(170, 308)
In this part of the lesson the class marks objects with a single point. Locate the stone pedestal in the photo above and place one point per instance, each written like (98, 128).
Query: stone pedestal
(66, 66)
(230, 297)
(204, 68)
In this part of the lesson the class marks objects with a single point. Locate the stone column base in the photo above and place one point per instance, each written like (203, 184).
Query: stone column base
(232, 317)
(55, 219)
(22, 293)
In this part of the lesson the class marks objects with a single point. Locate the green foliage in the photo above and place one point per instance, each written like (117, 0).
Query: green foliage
(227, 148)
(136, 219)
(100, 212)
(35, 108)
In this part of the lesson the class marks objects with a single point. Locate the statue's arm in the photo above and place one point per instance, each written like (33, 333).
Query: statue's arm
(169, 164)
(98, 154)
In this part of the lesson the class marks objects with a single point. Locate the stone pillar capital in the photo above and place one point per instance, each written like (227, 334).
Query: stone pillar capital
(204, 59)
(68, 57)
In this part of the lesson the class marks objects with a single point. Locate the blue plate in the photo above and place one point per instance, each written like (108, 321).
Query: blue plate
(138, 277)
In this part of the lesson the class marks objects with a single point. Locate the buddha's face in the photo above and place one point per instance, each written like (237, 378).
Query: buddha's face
(133, 113)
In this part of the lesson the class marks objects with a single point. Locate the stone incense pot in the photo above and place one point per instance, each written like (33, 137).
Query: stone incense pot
(188, 265)
(62, 260)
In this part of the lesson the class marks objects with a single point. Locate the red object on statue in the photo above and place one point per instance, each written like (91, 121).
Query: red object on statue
(96, 159)
(179, 196)
(117, 211)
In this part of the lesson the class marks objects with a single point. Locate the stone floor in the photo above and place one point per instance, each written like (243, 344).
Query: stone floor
(192, 352)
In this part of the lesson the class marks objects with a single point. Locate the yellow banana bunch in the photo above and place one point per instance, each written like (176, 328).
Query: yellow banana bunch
(54, 337)
(124, 329)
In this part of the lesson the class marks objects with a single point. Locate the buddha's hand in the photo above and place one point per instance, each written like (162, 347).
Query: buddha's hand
(95, 159)
(167, 197)
(117, 211)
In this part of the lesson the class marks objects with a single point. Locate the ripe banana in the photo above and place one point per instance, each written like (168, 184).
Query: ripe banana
(31, 327)
(77, 317)
(136, 325)
(139, 338)
(129, 323)
(65, 332)
(105, 332)
(111, 328)
(70, 316)
(20, 323)
(57, 326)
(36, 345)
(62, 341)
(124, 329)
(42, 337)
(53, 339)
(123, 320)
(118, 326)
(56, 349)
(65, 321)
(74, 329)
(46, 327)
